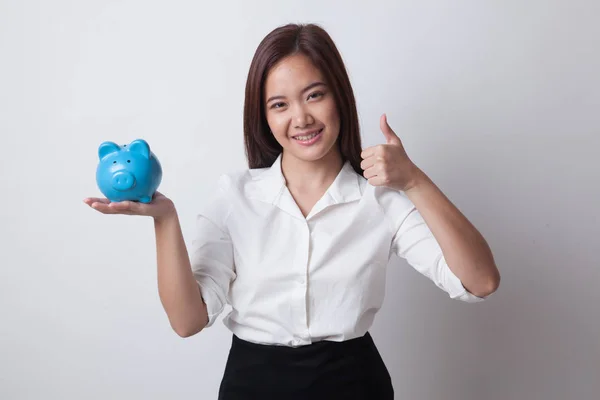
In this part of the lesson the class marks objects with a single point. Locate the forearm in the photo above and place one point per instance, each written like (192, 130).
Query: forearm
(465, 250)
(178, 290)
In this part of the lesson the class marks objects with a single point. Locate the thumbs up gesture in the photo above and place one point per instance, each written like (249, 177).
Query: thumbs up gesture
(388, 164)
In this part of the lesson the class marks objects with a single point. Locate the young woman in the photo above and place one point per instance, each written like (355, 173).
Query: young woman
(298, 244)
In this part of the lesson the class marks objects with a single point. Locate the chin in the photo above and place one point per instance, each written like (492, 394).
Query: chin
(312, 153)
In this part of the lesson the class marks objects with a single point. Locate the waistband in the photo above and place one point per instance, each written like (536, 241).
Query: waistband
(305, 350)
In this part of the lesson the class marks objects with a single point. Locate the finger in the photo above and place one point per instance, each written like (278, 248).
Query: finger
(376, 181)
(119, 205)
(389, 134)
(102, 207)
(90, 200)
(368, 162)
(131, 207)
(123, 206)
(370, 172)
(368, 152)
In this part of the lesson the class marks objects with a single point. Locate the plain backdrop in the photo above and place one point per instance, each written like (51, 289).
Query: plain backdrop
(497, 101)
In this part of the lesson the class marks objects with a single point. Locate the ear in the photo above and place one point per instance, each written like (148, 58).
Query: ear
(140, 146)
(107, 148)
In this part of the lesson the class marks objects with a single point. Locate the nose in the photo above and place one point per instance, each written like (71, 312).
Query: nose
(302, 118)
(123, 180)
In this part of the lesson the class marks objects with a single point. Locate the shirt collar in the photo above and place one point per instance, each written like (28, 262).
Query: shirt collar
(270, 186)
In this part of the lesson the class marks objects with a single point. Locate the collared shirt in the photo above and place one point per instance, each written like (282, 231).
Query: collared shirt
(293, 280)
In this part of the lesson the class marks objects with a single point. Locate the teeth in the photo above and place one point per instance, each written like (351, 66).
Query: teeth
(304, 138)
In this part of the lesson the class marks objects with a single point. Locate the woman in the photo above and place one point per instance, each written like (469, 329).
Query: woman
(299, 243)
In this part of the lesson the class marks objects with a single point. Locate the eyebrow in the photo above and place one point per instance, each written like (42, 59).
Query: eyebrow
(312, 85)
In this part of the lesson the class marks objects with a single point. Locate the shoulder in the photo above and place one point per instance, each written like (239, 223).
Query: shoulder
(238, 179)
(394, 204)
(223, 194)
(242, 185)
(384, 196)
(390, 201)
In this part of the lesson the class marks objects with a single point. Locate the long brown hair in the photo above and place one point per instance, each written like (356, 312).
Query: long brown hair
(313, 41)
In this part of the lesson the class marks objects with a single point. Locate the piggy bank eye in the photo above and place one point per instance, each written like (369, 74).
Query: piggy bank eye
(114, 162)
(128, 160)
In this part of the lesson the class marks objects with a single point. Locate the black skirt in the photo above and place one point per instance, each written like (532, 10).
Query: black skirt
(349, 370)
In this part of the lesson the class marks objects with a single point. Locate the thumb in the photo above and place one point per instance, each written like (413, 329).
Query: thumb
(389, 134)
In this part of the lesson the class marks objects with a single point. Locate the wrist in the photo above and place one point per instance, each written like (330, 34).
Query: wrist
(417, 180)
(169, 214)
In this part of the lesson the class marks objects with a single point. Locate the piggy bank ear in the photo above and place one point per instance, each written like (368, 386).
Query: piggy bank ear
(140, 146)
(107, 148)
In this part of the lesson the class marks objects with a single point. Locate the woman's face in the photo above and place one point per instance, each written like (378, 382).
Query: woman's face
(301, 109)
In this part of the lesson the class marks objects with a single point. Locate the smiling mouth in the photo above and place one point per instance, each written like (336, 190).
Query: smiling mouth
(304, 138)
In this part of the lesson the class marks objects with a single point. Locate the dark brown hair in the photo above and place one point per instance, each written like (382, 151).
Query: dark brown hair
(313, 41)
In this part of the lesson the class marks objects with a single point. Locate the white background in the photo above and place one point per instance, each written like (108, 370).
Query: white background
(498, 101)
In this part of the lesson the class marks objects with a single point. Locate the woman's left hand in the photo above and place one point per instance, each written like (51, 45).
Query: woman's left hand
(388, 164)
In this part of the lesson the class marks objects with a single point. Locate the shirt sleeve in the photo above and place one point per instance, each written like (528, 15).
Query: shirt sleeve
(212, 252)
(414, 242)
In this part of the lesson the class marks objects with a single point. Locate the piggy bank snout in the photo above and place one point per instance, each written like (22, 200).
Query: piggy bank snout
(123, 180)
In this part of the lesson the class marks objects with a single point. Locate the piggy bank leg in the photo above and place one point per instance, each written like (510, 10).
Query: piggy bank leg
(146, 199)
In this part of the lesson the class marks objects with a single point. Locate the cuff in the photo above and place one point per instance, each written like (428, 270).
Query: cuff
(214, 305)
(456, 289)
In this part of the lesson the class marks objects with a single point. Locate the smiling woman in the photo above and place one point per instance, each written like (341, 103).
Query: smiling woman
(298, 244)
(297, 86)
(304, 118)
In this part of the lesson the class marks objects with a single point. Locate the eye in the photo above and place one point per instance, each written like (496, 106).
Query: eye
(278, 105)
(128, 160)
(315, 95)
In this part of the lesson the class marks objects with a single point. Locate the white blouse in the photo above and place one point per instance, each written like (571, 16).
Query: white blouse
(292, 280)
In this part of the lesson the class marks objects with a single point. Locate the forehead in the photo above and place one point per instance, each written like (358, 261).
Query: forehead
(292, 73)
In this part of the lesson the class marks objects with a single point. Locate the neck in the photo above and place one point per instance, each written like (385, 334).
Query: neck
(311, 175)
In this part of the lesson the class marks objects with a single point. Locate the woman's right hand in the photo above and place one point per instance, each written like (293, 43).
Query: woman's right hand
(160, 206)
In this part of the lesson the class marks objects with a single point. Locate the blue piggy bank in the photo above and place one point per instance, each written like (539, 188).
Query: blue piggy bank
(128, 172)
